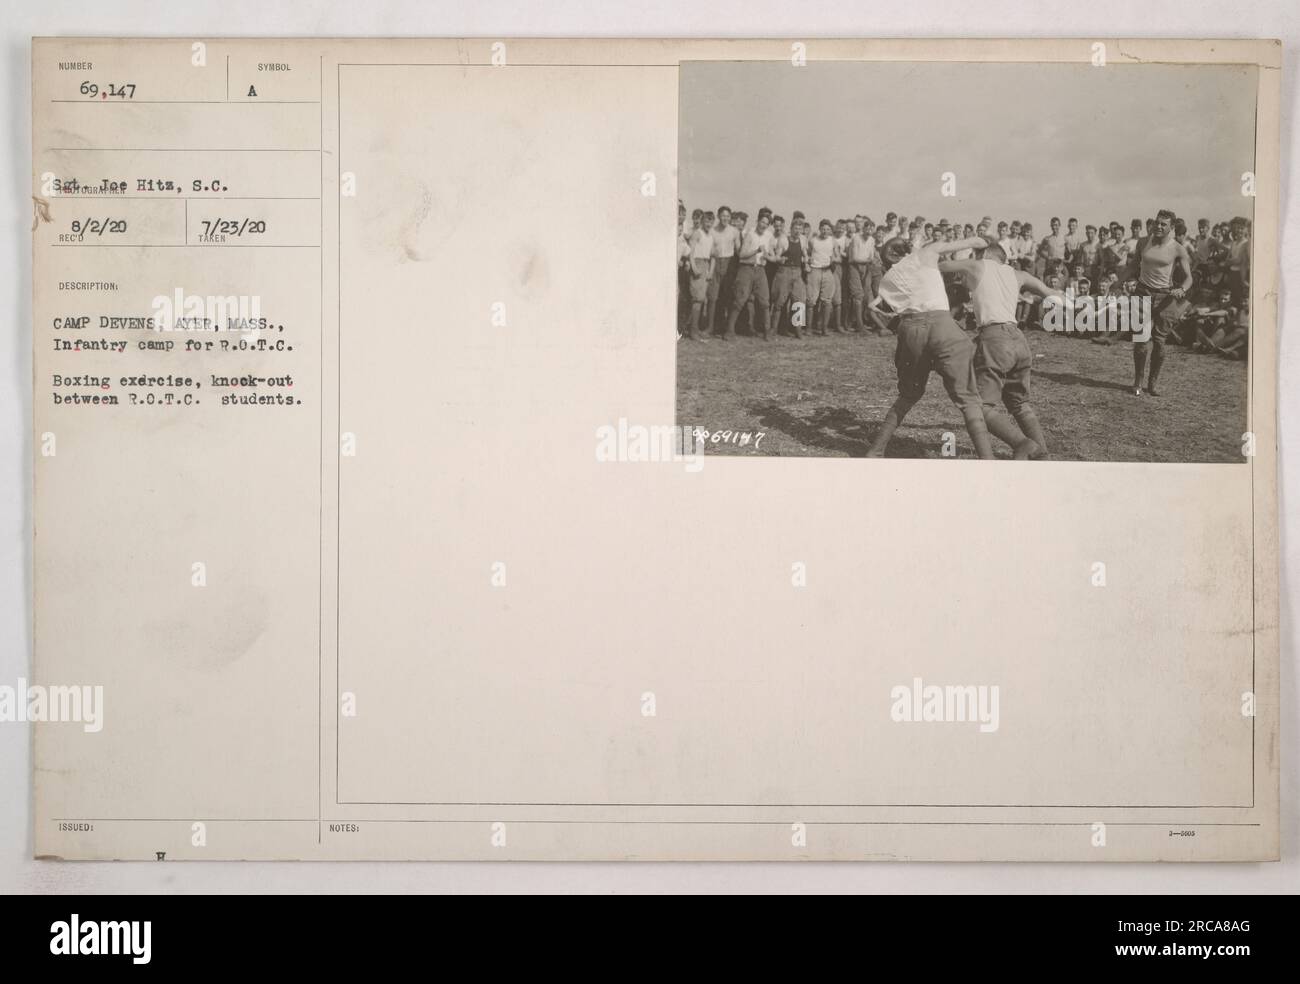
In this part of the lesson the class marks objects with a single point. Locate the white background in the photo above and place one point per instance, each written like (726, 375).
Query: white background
(582, 18)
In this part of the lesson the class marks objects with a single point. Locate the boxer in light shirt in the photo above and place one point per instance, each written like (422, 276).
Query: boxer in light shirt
(928, 340)
(1003, 361)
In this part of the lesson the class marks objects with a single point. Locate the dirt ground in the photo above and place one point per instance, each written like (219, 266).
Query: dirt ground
(825, 396)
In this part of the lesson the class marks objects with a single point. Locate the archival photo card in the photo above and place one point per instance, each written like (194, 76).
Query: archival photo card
(402, 493)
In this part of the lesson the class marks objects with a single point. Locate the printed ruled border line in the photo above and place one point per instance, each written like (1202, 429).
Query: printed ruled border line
(187, 150)
(187, 102)
(320, 499)
(674, 823)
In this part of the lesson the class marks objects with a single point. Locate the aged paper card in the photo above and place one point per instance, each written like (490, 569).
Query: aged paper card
(443, 451)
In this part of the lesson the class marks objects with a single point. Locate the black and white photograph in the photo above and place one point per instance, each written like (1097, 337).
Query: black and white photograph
(927, 260)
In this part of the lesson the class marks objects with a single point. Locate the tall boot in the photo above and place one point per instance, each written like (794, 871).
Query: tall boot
(979, 433)
(1001, 427)
(1028, 421)
(887, 427)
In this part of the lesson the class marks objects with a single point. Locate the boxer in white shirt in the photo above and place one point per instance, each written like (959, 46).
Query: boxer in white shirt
(928, 340)
(1003, 360)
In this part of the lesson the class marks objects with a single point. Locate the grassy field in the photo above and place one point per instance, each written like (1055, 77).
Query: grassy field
(825, 397)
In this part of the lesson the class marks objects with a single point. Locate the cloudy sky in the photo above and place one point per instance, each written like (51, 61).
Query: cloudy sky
(1024, 141)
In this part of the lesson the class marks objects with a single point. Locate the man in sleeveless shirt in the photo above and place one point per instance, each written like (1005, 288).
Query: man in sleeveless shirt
(1154, 262)
(928, 339)
(1003, 361)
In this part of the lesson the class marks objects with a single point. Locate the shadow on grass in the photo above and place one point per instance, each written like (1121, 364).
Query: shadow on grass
(1074, 379)
(833, 429)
